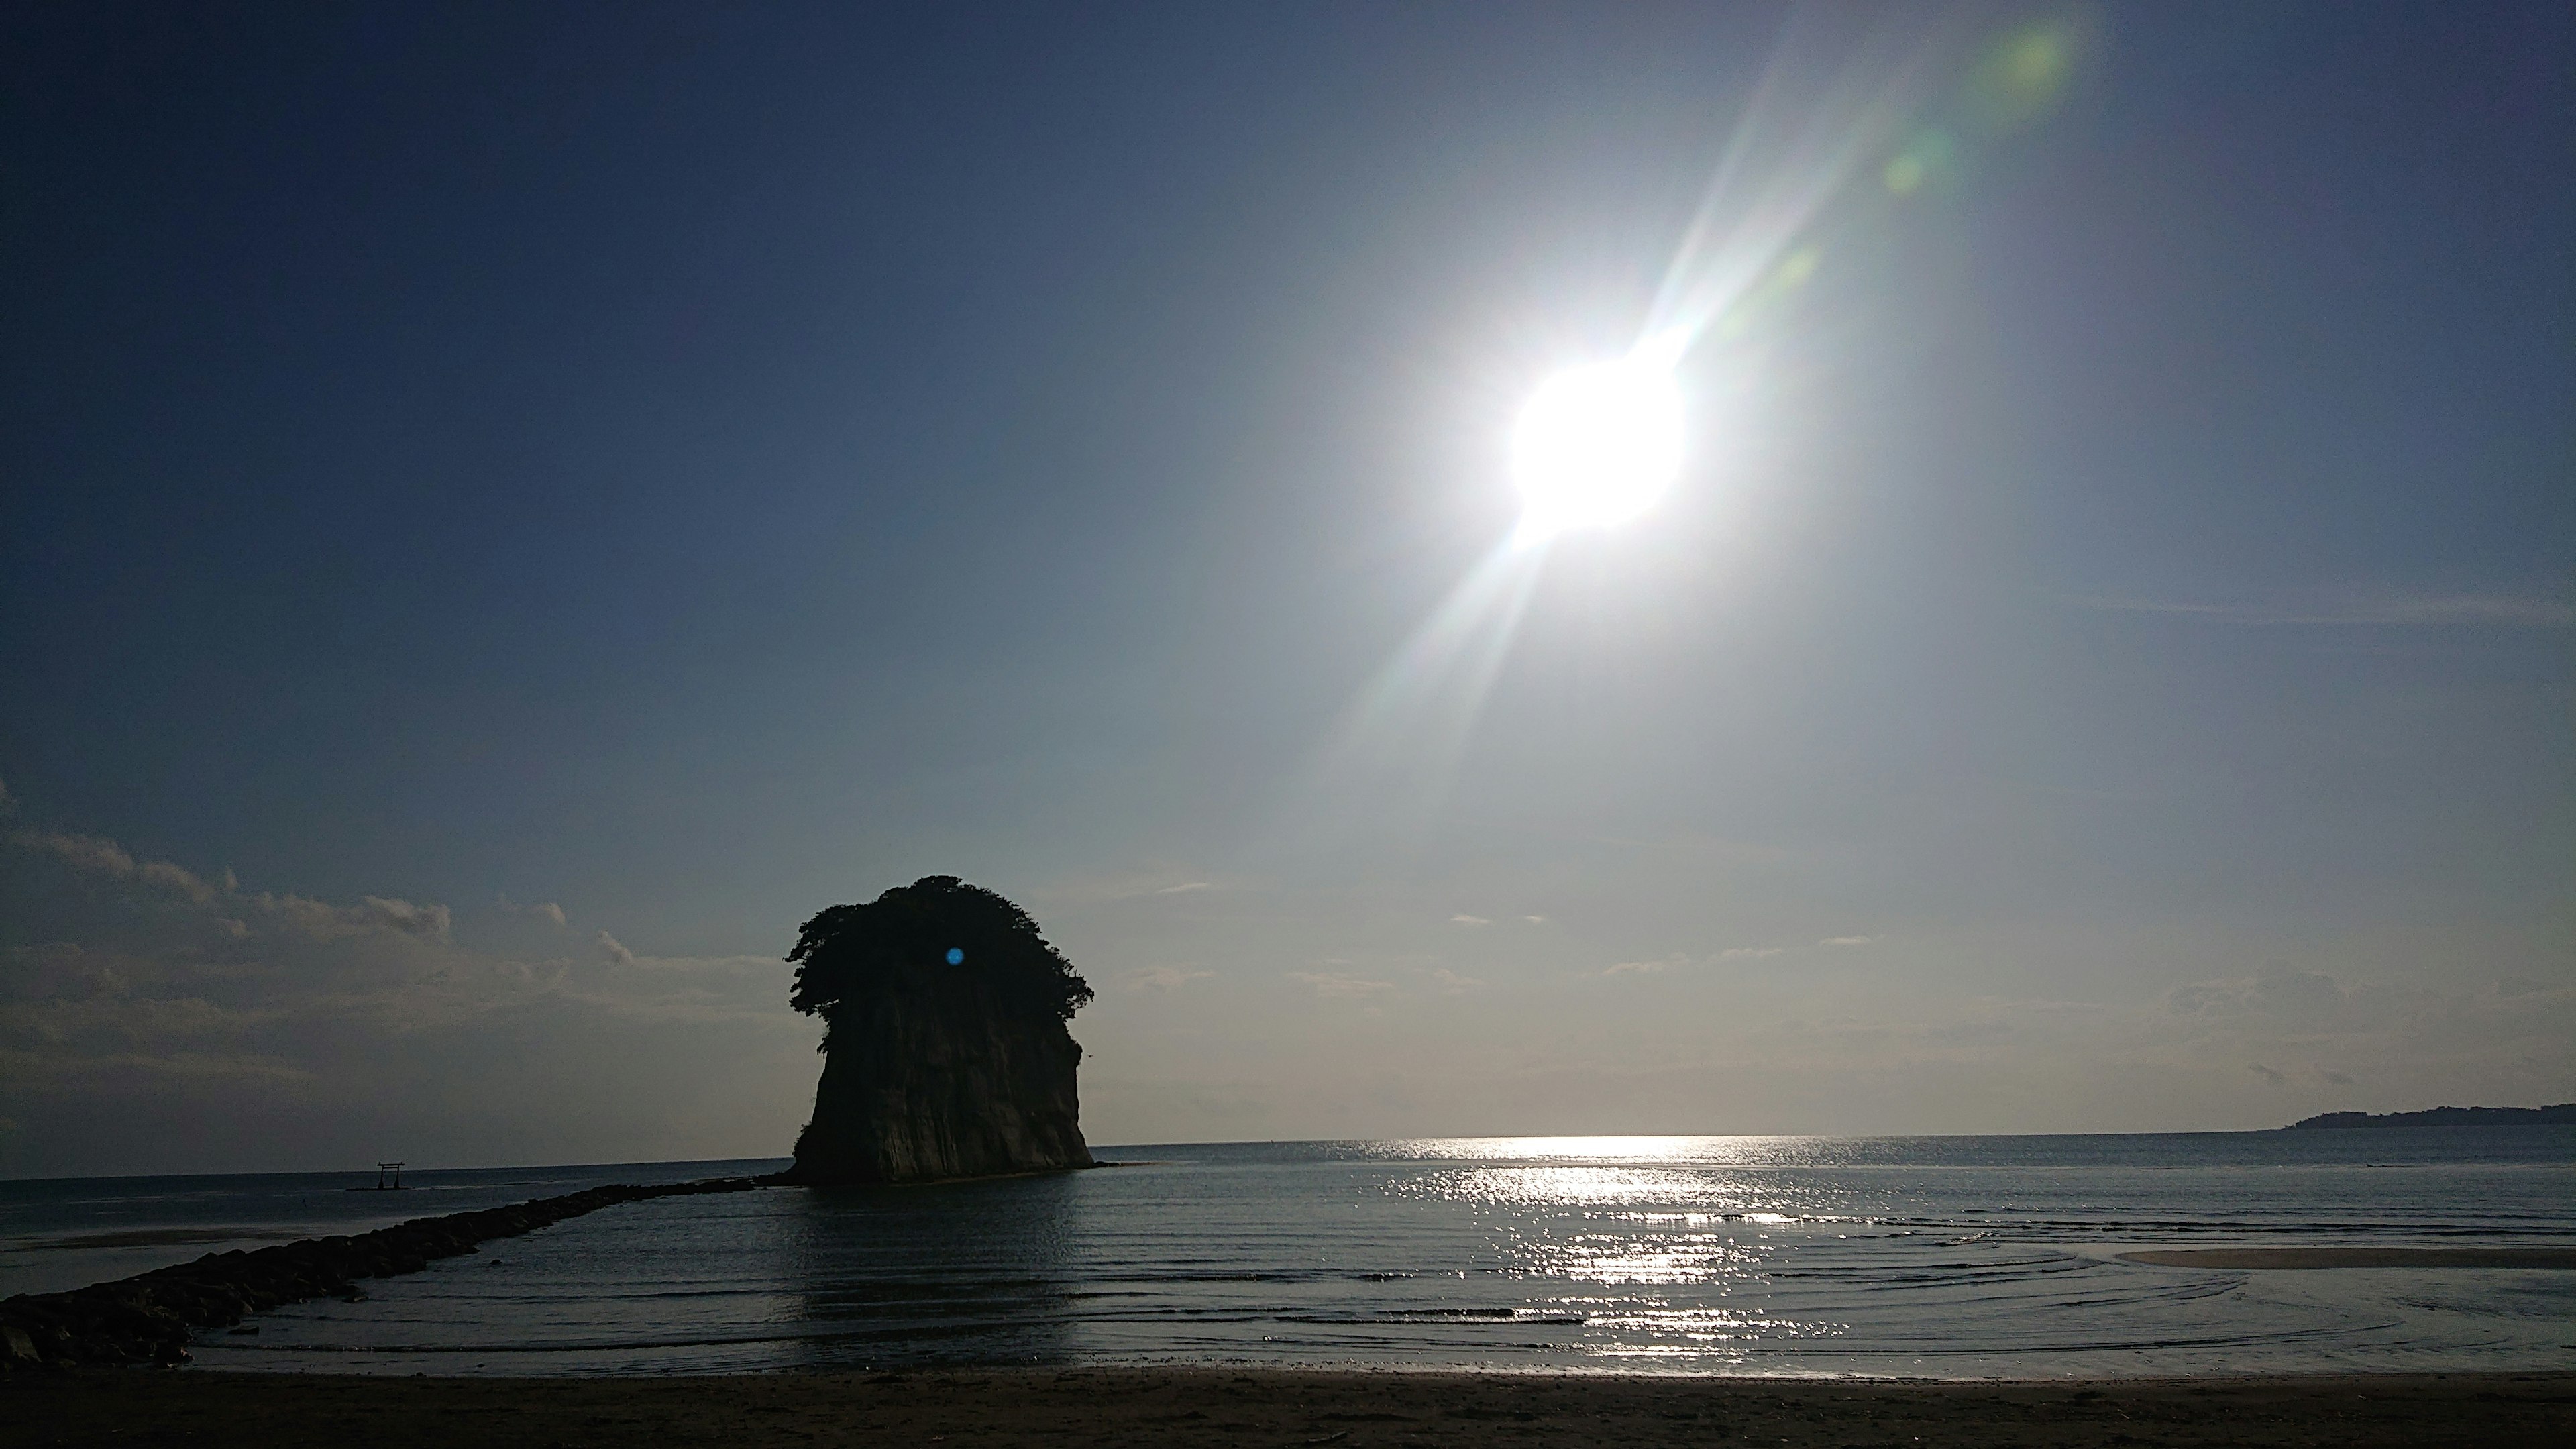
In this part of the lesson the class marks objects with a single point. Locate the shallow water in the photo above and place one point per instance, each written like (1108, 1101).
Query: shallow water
(1984, 1256)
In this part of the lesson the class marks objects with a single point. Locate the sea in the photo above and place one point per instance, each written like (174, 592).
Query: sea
(1941, 1257)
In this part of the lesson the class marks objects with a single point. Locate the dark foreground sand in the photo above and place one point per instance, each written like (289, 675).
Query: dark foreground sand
(1269, 1407)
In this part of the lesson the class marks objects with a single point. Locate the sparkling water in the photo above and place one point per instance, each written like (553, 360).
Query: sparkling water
(1964, 1256)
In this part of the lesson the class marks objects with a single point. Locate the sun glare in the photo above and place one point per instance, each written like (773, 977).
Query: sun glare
(1596, 446)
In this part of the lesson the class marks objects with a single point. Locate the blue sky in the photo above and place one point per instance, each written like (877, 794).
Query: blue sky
(541, 505)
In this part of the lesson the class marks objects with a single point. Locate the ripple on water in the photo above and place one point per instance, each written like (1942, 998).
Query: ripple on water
(1974, 1256)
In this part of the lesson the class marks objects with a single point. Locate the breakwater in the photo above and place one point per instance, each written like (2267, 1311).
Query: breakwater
(146, 1318)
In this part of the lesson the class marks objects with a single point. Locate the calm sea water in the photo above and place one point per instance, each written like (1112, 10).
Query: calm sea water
(1972, 1256)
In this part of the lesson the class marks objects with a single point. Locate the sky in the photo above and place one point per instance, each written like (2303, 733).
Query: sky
(510, 509)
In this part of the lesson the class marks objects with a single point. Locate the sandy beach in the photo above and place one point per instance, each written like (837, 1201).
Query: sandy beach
(1141, 1406)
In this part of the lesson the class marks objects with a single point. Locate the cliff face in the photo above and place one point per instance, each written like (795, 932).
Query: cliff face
(933, 1079)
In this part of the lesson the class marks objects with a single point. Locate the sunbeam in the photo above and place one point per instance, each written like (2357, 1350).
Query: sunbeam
(1837, 115)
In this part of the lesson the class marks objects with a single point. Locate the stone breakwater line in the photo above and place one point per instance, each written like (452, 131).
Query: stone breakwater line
(146, 1318)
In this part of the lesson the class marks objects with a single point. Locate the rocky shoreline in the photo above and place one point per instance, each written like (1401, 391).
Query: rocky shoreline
(146, 1318)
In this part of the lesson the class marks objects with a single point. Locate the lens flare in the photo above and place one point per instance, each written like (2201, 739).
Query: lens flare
(1597, 445)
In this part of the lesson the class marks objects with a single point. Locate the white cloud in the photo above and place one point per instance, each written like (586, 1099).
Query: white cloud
(1678, 961)
(322, 921)
(1161, 978)
(170, 877)
(101, 856)
(543, 910)
(82, 852)
(1848, 941)
(1452, 981)
(191, 1024)
(1339, 984)
(1467, 920)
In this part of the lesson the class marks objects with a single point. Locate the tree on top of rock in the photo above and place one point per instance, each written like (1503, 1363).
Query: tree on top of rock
(935, 933)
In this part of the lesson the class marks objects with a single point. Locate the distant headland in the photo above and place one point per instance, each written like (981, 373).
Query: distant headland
(2561, 1115)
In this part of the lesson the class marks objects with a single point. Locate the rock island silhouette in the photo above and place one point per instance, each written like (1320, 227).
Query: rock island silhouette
(945, 1048)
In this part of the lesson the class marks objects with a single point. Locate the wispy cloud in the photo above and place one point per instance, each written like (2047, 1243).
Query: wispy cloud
(1463, 919)
(290, 914)
(1339, 984)
(542, 910)
(322, 921)
(1185, 886)
(1848, 941)
(1679, 961)
(1161, 978)
(101, 856)
(1451, 981)
(277, 1001)
(82, 852)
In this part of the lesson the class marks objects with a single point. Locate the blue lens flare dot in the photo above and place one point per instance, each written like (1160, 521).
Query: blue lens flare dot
(956, 955)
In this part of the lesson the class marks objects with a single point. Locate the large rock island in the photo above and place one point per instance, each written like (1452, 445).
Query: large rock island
(944, 1042)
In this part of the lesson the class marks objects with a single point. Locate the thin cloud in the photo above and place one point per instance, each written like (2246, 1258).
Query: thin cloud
(1678, 961)
(2269, 1076)
(614, 950)
(322, 921)
(92, 853)
(1187, 885)
(1451, 981)
(1848, 941)
(1462, 919)
(401, 915)
(542, 910)
(1161, 978)
(101, 856)
(1337, 984)
(175, 878)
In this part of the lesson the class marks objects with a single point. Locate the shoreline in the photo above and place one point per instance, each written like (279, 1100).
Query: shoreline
(145, 1318)
(1346, 1408)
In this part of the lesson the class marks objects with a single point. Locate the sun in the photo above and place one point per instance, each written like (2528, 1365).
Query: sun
(1595, 446)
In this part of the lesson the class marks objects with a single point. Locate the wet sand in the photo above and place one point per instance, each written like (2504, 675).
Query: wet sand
(1346, 1409)
(2355, 1257)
